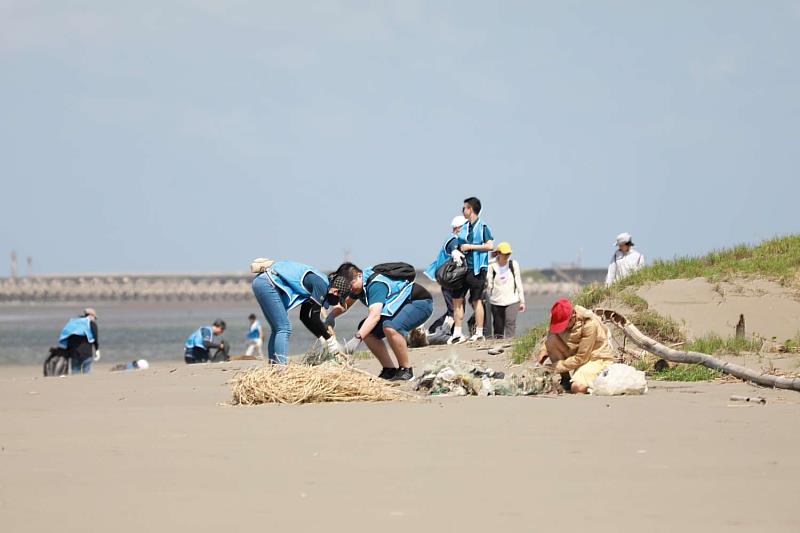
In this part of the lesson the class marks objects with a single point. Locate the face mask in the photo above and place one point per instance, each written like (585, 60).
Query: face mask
(332, 299)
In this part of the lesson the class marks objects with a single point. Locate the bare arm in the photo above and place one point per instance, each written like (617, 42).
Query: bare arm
(371, 321)
(488, 246)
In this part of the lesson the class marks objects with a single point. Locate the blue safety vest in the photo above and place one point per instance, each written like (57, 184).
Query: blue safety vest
(81, 326)
(195, 340)
(288, 277)
(441, 258)
(480, 259)
(252, 334)
(399, 292)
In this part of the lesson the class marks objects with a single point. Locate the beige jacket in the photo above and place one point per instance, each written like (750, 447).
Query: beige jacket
(587, 340)
(504, 292)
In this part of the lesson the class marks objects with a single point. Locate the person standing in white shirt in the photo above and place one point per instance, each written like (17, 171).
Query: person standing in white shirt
(626, 260)
(255, 337)
(505, 292)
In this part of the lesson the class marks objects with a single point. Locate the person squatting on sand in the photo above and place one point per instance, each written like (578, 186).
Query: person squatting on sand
(578, 343)
(444, 324)
(396, 306)
(288, 284)
(79, 338)
(504, 292)
(478, 242)
(197, 347)
(254, 338)
(626, 260)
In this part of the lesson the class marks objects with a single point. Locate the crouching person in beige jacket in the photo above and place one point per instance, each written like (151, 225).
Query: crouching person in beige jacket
(578, 343)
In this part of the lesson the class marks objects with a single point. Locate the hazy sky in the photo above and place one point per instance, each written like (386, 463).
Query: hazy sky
(194, 136)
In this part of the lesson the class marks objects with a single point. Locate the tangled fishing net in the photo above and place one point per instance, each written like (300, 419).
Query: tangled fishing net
(296, 383)
(460, 378)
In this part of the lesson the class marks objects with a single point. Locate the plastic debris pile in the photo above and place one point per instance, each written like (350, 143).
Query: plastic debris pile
(460, 378)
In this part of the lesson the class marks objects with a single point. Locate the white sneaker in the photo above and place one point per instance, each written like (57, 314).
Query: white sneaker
(455, 340)
(476, 338)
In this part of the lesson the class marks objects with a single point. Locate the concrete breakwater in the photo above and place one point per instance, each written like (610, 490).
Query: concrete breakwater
(167, 287)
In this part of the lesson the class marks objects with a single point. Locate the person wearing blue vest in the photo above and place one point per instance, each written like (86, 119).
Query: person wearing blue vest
(205, 338)
(441, 327)
(254, 338)
(478, 242)
(288, 284)
(396, 307)
(79, 338)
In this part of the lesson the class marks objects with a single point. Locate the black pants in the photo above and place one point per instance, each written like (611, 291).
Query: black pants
(504, 320)
(448, 301)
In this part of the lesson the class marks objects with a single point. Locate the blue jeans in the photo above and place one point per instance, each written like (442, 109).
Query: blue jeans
(81, 366)
(410, 315)
(272, 306)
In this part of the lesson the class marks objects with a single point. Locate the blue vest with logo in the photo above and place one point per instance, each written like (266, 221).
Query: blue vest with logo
(80, 326)
(252, 333)
(480, 259)
(195, 340)
(441, 258)
(288, 277)
(399, 292)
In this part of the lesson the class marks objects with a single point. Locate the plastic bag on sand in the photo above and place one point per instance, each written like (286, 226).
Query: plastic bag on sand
(619, 379)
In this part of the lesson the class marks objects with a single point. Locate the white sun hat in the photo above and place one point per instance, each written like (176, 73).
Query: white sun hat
(624, 238)
(458, 221)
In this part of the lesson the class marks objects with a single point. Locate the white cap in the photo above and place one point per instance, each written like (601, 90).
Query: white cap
(458, 221)
(142, 364)
(624, 238)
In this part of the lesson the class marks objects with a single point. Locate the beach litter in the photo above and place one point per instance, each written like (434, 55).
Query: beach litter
(618, 380)
(453, 377)
(327, 382)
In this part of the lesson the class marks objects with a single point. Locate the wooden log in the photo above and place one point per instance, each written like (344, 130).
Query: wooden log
(675, 356)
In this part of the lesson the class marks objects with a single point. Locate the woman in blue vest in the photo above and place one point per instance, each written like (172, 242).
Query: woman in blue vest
(448, 251)
(288, 284)
(79, 338)
(395, 308)
(199, 344)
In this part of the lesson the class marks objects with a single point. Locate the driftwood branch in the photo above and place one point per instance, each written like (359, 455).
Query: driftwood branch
(646, 343)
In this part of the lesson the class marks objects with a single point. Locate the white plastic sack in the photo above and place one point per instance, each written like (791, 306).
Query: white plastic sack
(619, 379)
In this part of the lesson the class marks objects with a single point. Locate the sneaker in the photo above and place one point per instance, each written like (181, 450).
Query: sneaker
(455, 340)
(566, 382)
(476, 338)
(403, 374)
(387, 373)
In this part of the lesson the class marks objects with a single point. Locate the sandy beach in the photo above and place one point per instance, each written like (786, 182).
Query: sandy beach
(161, 450)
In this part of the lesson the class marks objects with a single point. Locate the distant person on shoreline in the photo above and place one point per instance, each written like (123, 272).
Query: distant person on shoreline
(443, 325)
(505, 292)
(288, 284)
(626, 260)
(478, 242)
(578, 343)
(254, 337)
(79, 338)
(396, 306)
(200, 343)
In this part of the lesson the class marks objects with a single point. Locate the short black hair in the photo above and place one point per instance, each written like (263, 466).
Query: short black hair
(252, 316)
(219, 323)
(474, 203)
(348, 270)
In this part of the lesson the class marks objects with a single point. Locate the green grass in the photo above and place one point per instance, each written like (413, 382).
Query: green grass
(777, 258)
(363, 355)
(684, 372)
(714, 344)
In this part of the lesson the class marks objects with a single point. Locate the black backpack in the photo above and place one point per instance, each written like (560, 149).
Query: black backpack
(397, 271)
(57, 363)
(451, 276)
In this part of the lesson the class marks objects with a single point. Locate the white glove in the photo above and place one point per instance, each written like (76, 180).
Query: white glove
(333, 346)
(352, 345)
(457, 256)
(96, 355)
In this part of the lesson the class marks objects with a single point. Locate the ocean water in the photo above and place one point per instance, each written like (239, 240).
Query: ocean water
(157, 331)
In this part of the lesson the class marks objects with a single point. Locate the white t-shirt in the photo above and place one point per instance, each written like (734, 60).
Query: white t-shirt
(623, 264)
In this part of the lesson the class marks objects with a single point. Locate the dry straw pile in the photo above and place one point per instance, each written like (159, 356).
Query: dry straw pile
(295, 383)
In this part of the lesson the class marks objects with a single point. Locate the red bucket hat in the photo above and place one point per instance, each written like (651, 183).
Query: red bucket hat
(560, 315)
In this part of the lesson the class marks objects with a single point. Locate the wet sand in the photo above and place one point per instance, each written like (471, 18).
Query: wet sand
(159, 450)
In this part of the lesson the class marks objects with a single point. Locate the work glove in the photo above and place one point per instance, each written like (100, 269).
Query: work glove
(96, 355)
(457, 257)
(333, 346)
(352, 345)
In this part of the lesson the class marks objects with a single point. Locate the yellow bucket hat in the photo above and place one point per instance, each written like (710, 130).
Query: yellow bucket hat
(503, 248)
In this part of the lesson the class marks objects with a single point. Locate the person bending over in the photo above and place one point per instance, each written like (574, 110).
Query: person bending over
(197, 348)
(80, 339)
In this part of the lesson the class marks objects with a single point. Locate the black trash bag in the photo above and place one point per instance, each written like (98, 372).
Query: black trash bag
(221, 354)
(450, 275)
(57, 363)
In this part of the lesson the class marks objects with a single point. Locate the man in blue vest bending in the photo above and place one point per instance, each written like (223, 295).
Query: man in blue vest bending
(202, 341)
(79, 339)
(478, 242)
